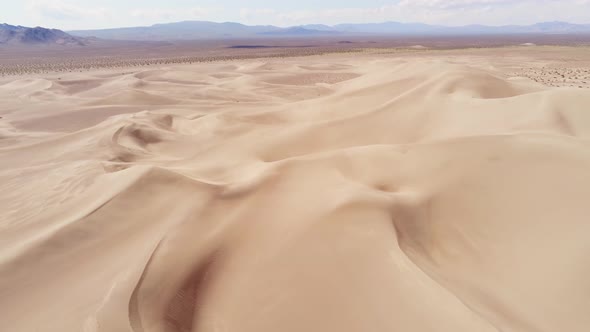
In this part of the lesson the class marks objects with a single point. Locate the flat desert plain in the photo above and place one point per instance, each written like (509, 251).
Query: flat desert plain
(379, 190)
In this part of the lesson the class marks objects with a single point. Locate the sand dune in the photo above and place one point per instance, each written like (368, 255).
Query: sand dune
(333, 193)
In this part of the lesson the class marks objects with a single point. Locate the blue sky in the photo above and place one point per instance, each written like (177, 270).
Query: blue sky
(90, 14)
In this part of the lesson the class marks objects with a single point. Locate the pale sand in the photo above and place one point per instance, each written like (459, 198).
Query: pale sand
(337, 193)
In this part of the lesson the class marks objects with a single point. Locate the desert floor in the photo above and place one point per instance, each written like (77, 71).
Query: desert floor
(377, 190)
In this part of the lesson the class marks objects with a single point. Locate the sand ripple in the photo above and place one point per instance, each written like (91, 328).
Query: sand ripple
(347, 195)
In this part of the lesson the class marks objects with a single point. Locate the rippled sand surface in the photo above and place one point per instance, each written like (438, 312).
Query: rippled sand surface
(336, 193)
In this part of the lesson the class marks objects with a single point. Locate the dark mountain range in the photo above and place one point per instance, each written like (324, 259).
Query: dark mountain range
(391, 28)
(396, 28)
(188, 30)
(19, 35)
(299, 31)
(200, 30)
(209, 30)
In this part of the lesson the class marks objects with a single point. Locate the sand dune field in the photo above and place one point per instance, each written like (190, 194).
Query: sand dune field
(423, 191)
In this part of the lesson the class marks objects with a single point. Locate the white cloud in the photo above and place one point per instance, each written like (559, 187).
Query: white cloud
(247, 13)
(446, 12)
(73, 14)
(172, 14)
(62, 10)
(450, 4)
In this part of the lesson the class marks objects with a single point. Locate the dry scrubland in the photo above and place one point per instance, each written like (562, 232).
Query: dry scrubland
(560, 76)
(389, 189)
(81, 63)
(118, 54)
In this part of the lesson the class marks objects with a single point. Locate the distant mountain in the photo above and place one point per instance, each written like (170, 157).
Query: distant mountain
(19, 35)
(299, 31)
(319, 27)
(196, 30)
(389, 28)
(559, 27)
(179, 31)
(396, 28)
(539, 28)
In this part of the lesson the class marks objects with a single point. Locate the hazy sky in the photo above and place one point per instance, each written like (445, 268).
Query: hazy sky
(86, 14)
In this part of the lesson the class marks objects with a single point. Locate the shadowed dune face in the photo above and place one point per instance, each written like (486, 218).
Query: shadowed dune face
(335, 194)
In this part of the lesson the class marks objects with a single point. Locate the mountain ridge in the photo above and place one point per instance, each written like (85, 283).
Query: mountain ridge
(20, 35)
(187, 30)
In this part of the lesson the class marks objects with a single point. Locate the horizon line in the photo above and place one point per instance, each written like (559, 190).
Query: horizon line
(300, 25)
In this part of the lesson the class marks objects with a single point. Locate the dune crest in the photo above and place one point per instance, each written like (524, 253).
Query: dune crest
(340, 195)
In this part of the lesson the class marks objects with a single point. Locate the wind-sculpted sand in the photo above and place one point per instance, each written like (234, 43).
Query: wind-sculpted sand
(338, 193)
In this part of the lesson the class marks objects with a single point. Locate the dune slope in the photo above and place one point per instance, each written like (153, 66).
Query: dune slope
(356, 195)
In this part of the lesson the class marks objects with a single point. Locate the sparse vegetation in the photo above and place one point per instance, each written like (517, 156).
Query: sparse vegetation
(25, 66)
(114, 54)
